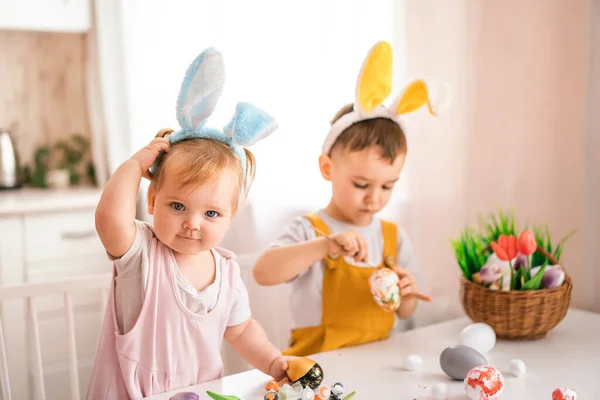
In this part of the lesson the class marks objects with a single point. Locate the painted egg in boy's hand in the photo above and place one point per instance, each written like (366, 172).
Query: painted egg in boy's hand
(384, 288)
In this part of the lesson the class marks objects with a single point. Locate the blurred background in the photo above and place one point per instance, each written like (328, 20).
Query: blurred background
(85, 83)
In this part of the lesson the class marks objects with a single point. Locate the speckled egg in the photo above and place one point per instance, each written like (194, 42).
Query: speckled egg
(484, 383)
(564, 394)
(384, 288)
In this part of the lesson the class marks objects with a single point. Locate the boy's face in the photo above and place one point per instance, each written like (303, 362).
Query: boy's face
(192, 220)
(362, 181)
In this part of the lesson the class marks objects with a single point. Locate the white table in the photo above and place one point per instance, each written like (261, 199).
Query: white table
(569, 356)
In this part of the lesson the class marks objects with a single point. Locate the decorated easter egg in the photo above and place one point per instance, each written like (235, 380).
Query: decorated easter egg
(440, 391)
(479, 336)
(384, 288)
(456, 361)
(305, 371)
(484, 383)
(517, 367)
(564, 394)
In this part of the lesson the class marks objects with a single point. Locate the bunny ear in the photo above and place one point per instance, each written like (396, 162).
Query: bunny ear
(200, 90)
(249, 124)
(433, 92)
(374, 82)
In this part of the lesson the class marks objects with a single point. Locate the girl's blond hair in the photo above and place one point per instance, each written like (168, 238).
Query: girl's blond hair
(193, 162)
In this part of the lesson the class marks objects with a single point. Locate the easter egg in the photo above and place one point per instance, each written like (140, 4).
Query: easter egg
(484, 383)
(185, 396)
(413, 362)
(564, 394)
(384, 289)
(440, 391)
(517, 368)
(305, 371)
(478, 336)
(456, 361)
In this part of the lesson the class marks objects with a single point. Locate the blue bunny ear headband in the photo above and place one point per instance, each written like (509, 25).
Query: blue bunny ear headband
(200, 91)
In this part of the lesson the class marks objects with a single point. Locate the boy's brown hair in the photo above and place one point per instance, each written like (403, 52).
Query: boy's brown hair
(381, 132)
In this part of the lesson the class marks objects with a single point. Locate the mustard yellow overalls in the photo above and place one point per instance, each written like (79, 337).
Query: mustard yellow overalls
(350, 316)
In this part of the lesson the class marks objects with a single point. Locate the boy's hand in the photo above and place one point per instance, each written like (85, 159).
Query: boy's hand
(408, 285)
(350, 244)
(146, 156)
(279, 367)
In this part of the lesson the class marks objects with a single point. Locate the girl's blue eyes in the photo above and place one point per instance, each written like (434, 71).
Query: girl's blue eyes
(180, 207)
(211, 214)
(177, 206)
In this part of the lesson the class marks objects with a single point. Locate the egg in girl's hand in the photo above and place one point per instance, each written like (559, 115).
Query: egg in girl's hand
(484, 383)
(384, 288)
(564, 394)
(305, 371)
(478, 336)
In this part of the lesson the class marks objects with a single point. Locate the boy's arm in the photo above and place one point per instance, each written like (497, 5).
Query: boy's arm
(407, 307)
(410, 275)
(251, 343)
(298, 249)
(115, 214)
(282, 263)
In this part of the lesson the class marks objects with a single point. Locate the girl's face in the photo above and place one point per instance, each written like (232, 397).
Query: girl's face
(193, 219)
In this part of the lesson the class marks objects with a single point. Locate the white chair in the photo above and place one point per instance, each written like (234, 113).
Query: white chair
(29, 292)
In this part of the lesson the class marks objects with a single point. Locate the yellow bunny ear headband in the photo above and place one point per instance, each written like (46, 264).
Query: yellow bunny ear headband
(374, 85)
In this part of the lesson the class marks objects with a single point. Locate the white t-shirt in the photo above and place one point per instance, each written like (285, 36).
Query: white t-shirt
(132, 277)
(307, 288)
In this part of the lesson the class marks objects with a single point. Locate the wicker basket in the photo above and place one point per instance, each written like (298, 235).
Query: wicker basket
(517, 314)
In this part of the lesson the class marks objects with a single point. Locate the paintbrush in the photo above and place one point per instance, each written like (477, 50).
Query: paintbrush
(332, 240)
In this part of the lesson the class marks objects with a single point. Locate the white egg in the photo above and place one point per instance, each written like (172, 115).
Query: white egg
(413, 362)
(478, 336)
(440, 391)
(517, 367)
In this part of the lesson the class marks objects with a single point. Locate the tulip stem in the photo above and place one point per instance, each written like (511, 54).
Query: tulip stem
(512, 277)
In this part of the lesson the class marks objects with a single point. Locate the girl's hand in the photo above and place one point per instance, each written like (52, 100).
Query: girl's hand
(408, 285)
(147, 155)
(350, 244)
(279, 367)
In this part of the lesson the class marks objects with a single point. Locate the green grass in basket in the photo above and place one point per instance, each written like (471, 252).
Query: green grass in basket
(472, 248)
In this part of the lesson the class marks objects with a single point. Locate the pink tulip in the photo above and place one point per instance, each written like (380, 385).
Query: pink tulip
(506, 248)
(526, 243)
